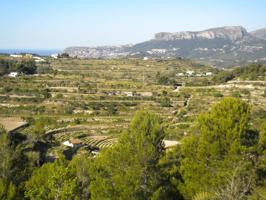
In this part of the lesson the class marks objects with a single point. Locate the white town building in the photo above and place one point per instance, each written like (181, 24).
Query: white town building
(13, 74)
(190, 73)
(180, 74)
(55, 56)
(16, 56)
(208, 73)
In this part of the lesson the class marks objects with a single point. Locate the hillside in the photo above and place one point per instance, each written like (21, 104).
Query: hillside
(261, 33)
(220, 47)
(81, 114)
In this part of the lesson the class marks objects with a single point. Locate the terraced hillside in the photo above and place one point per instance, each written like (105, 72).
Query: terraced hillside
(94, 100)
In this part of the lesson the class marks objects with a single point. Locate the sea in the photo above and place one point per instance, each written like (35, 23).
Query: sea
(40, 52)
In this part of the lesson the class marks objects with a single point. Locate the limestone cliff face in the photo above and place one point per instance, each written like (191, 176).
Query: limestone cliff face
(221, 47)
(229, 32)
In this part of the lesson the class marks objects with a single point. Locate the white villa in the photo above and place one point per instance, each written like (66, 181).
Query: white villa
(129, 94)
(13, 74)
(55, 56)
(180, 74)
(74, 143)
(145, 58)
(190, 73)
(16, 56)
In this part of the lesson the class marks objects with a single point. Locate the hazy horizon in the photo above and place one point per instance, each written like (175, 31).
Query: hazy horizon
(47, 24)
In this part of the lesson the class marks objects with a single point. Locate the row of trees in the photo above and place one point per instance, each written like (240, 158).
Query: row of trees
(222, 158)
(248, 72)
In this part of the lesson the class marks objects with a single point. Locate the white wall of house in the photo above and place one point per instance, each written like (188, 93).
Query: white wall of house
(13, 74)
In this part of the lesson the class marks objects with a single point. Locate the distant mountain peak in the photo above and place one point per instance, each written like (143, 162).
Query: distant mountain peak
(222, 47)
(228, 32)
(261, 33)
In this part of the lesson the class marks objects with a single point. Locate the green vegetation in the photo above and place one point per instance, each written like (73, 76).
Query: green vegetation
(63, 55)
(53, 181)
(165, 80)
(224, 152)
(248, 72)
(130, 168)
(25, 66)
(222, 158)
(118, 129)
(7, 182)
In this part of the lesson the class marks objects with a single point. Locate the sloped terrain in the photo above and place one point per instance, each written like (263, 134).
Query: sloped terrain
(220, 47)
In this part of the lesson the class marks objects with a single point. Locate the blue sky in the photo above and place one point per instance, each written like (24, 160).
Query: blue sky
(56, 24)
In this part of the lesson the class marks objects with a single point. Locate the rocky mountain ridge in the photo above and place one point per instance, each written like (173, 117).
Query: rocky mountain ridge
(261, 33)
(220, 47)
(229, 32)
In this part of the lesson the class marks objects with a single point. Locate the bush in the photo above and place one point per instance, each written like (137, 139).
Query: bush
(236, 94)
(248, 72)
(164, 80)
(24, 66)
(165, 102)
(218, 94)
(7, 89)
(112, 109)
(59, 96)
(223, 77)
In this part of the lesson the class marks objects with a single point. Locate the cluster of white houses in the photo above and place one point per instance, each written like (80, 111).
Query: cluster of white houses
(192, 73)
(128, 93)
(37, 59)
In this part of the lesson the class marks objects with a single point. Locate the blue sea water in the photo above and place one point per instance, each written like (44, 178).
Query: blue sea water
(41, 52)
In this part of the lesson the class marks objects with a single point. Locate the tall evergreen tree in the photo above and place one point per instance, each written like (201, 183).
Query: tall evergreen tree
(129, 170)
(52, 181)
(81, 166)
(7, 167)
(221, 147)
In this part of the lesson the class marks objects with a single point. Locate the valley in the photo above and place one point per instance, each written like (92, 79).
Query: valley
(93, 100)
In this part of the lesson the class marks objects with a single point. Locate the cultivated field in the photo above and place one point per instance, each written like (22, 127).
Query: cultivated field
(12, 123)
(94, 100)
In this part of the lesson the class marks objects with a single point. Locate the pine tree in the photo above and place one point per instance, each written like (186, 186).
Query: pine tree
(222, 142)
(129, 170)
(52, 181)
(7, 167)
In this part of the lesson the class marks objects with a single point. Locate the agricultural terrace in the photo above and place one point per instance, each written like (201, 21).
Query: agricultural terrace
(94, 100)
